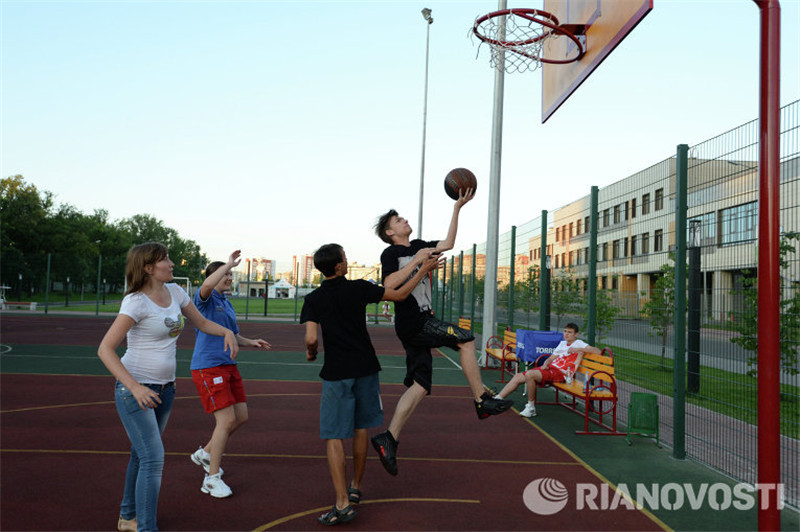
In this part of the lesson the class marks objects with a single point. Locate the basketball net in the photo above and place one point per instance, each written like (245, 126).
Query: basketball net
(523, 33)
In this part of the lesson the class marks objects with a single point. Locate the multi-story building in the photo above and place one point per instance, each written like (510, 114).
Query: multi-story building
(360, 271)
(636, 229)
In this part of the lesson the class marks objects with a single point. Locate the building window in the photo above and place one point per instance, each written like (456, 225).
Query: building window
(658, 240)
(614, 283)
(556, 265)
(645, 243)
(625, 247)
(605, 218)
(586, 224)
(739, 223)
(659, 201)
(570, 230)
(633, 208)
(564, 260)
(558, 234)
(646, 204)
(633, 246)
(616, 214)
(578, 227)
(605, 251)
(615, 249)
(627, 208)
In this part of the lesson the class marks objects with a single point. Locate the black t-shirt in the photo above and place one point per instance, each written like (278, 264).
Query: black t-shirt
(339, 306)
(410, 315)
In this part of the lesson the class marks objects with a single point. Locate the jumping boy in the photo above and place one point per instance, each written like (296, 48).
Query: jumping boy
(419, 331)
(350, 401)
(566, 358)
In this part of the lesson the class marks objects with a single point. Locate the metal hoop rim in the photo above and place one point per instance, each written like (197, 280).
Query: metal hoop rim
(530, 14)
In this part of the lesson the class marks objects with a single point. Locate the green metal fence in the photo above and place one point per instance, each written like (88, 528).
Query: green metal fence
(644, 245)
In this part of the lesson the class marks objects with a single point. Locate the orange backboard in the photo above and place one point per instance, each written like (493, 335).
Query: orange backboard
(609, 22)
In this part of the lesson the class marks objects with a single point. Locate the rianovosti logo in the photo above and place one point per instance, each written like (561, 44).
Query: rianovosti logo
(548, 496)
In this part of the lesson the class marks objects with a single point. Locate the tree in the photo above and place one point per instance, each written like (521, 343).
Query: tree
(660, 309)
(605, 314)
(747, 323)
(565, 297)
(23, 215)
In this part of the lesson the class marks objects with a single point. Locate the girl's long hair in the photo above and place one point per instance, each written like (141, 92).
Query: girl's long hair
(139, 257)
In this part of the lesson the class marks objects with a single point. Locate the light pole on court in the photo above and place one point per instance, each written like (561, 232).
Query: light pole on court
(426, 14)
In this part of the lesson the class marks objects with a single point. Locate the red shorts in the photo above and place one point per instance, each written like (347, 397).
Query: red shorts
(549, 375)
(219, 387)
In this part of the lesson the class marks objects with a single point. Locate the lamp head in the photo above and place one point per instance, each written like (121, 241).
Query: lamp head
(426, 14)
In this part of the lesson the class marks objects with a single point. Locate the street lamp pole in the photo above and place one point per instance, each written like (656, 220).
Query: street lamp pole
(99, 276)
(426, 14)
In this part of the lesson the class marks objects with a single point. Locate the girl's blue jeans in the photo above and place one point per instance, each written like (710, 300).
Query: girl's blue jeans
(144, 428)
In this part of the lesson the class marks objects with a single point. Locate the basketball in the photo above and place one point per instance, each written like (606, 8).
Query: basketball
(459, 179)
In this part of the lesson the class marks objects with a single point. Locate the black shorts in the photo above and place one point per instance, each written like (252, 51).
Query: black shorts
(419, 361)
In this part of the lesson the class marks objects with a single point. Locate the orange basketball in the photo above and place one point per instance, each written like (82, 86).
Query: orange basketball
(459, 179)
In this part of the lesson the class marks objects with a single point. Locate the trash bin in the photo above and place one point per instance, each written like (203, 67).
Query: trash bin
(643, 416)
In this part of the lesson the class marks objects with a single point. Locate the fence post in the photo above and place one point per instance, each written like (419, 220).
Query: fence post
(511, 278)
(679, 360)
(452, 291)
(99, 277)
(591, 331)
(695, 289)
(472, 287)
(544, 313)
(247, 294)
(435, 289)
(47, 286)
(296, 288)
(444, 288)
(461, 284)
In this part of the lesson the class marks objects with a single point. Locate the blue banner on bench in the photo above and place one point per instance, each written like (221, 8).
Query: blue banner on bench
(533, 344)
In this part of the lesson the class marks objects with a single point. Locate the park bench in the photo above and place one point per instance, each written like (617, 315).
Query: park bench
(24, 305)
(597, 390)
(504, 350)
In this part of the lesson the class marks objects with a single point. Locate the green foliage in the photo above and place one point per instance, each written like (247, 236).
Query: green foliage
(746, 324)
(33, 227)
(605, 315)
(565, 295)
(660, 309)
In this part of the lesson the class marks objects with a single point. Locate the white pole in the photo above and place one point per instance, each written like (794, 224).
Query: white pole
(426, 13)
(492, 233)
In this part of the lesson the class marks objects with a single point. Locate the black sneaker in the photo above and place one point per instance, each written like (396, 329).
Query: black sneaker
(386, 446)
(489, 406)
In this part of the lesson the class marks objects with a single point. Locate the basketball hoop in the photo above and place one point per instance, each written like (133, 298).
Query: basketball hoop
(524, 32)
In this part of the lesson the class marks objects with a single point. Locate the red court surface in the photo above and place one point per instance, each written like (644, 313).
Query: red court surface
(64, 453)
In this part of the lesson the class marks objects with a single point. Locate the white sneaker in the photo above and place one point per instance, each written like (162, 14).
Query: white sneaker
(216, 487)
(528, 411)
(201, 458)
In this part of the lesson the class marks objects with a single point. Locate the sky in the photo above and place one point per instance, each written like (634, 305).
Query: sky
(276, 127)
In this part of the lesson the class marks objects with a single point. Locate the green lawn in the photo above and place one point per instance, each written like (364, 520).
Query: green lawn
(726, 392)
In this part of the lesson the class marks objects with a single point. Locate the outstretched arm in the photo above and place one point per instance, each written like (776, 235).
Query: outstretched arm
(213, 280)
(394, 280)
(431, 263)
(252, 342)
(214, 329)
(450, 241)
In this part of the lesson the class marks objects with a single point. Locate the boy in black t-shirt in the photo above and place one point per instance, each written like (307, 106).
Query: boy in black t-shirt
(350, 401)
(419, 330)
